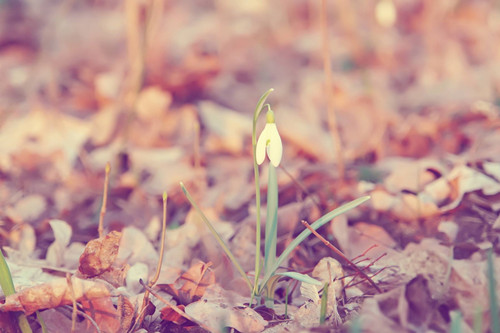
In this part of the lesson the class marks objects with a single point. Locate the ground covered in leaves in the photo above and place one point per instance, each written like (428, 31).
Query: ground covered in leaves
(165, 90)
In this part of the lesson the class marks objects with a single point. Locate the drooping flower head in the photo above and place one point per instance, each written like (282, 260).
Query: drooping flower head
(269, 142)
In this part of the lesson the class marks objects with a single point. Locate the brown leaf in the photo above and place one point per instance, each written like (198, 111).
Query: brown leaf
(197, 278)
(104, 314)
(99, 255)
(53, 294)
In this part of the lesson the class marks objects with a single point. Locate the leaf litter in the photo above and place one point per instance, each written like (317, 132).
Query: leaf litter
(416, 93)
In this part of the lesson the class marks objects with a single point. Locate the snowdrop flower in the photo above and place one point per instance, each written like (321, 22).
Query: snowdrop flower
(269, 141)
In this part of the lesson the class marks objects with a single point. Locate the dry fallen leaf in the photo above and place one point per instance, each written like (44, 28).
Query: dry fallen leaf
(220, 313)
(62, 234)
(99, 255)
(53, 294)
(104, 314)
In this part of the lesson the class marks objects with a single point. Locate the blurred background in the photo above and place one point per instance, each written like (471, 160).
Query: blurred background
(165, 91)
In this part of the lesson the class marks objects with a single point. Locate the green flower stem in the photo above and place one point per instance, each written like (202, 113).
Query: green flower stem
(271, 219)
(217, 237)
(258, 109)
(304, 234)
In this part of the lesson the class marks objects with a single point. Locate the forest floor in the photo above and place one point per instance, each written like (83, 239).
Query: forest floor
(164, 91)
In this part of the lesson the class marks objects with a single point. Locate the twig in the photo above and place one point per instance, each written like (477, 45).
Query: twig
(152, 282)
(351, 284)
(327, 69)
(89, 318)
(200, 277)
(73, 300)
(337, 251)
(104, 200)
(366, 251)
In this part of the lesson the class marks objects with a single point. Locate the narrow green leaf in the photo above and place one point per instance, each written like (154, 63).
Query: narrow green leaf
(456, 321)
(286, 302)
(495, 323)
(316, 225)
(324, 303)
(477, 326)
(8, 289)
(217, 237)
(5, 277)
(301, 277)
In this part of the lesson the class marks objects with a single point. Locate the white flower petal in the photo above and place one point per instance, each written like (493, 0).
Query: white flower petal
(260, 149)
(275, 148)
(269, 143)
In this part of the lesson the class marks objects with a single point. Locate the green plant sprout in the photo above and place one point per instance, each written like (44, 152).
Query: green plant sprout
(266, 275)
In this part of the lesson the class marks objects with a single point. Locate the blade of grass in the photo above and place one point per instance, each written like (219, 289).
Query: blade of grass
(304, 234)
(478, 320)
(324, 303)
(456, 321)
(492, 285)
(301, 277)
(286, 302)
(8, 289)
(217, 237)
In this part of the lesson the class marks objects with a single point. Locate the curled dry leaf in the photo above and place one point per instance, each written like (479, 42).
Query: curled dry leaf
(469, 180)
(62, 234)
(53, 294)
(99, 255)
(330, 270)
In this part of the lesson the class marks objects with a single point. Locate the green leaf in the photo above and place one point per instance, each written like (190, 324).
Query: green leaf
(316, 225)
(301, 277)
